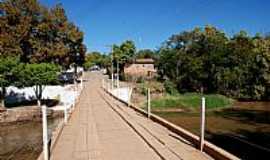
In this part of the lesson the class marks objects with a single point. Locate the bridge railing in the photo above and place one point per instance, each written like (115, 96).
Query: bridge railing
(49, 142)
(204, 146)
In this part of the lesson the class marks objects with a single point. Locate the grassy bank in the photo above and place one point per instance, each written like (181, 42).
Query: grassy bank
(190, 101)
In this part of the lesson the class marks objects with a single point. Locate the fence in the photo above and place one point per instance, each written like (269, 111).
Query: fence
(203, 146)
(48, 142)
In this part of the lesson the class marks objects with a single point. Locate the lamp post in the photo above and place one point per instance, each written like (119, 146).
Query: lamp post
(112, 70)
(118, 85)
(75, 69)
(76, 64)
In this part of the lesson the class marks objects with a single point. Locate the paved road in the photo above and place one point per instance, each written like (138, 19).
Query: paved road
(102, 128)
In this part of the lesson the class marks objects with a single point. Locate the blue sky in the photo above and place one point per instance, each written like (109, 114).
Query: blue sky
(150, 22)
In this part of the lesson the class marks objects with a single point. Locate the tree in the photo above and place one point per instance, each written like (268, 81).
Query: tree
(190, 59)
(123, 54)
(145, 53)
(207, 60)
(95, 58)
(37, 76)
(39, 34)
(7, 67)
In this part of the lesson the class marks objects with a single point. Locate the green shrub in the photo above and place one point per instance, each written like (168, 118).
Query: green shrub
(140, 80)
(142, 89)
(156, 87)
(191, 101)
(170, 87)
(166, 102)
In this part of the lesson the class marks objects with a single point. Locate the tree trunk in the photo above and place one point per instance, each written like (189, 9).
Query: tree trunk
(39, 103)
(39, 94)
(3, 95)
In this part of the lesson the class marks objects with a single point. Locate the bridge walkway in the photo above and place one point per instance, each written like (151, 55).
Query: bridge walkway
(102, 128)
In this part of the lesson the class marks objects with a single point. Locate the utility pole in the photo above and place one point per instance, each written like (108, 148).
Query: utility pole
(112, 72)
(112, 68)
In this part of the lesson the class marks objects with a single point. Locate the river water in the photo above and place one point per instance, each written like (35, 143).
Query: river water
(243, 130)
(23, 141)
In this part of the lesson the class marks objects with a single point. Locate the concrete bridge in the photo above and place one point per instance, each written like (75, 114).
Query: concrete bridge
(103, 128)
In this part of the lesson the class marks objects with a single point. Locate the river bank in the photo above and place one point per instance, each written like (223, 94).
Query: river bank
(26, 113)
(23, 140)
(21, 131)
(241, 128)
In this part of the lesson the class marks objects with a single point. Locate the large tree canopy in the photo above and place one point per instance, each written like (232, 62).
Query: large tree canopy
(38, 76)
(207, 60)
(123, 54)
(7, 68)
(38, 34)
(96, 58)
(146, 53)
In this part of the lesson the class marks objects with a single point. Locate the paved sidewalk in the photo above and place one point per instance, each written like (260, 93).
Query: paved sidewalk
(103, 128)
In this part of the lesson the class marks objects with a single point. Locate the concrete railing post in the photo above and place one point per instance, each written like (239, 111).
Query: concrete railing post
(108, 87)
(129, 96)
(118, 83)
(202, 124)
(112, 85)
(45, 133)
(65, 115)
(81, 83)
(148, 103)
(82, 74)
(74, 101)
(118, 93)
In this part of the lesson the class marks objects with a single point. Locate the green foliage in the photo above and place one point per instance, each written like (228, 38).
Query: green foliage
(145, 53)
(206, 60)
(7, 68)
(123, 54)
(37, 75)
(155, 87)
(7, 77)
(87, 65)
(13, 72)
(37, 34)
(191, 101)
(170, 87)
(96, 58)
(142, 88)
(166, 103)
(140, 80)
